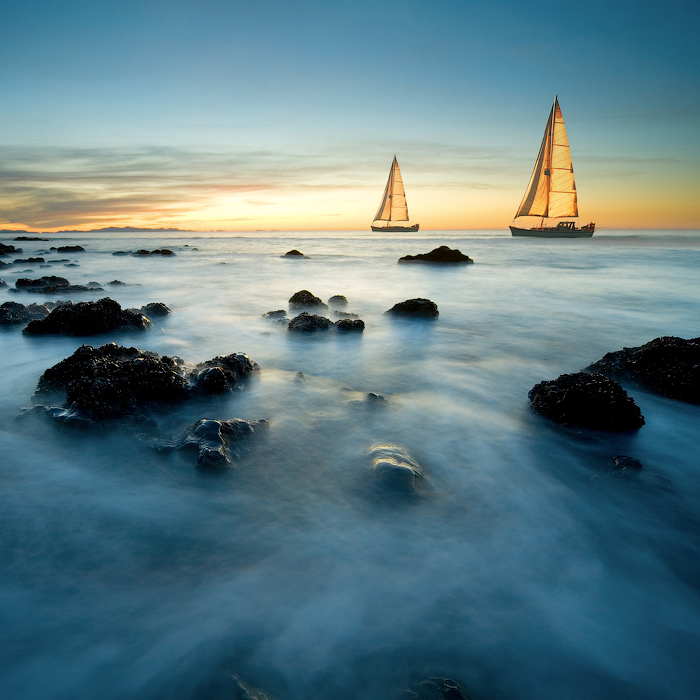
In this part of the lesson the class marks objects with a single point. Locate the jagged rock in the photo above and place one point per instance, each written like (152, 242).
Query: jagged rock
(70, 249)
(393, 467)
(88, 318)
(667, 365)
(304, 298)
(349, 324)
(376, 399)
(222, 374)
(338, 300)
(294, 253)
(155, 308)
(7, 249)
(216, 441)
(13, 313)
(436, 688)
(309, 323)
(415, 308)
(587, 401)
(443, 254)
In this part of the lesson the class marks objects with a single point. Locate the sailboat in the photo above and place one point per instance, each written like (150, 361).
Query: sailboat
(551, 193)
(393, 207)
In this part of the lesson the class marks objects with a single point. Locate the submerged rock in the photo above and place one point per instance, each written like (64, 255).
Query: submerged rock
(216, 441)
(27, 261)
(155, 308)
(667, 365)
(52, 284)
(394, 468)
(349, 324)
(6, 249)
(222, 374)
(12, 313)
(69, 249)
(437, 688)
(443, 254)
(278, 316)
(414, 308)
(88, 318)
(309, 322)
(338, 300)
(587, 401)
(305, 298)
(294, 253)
(143, 252)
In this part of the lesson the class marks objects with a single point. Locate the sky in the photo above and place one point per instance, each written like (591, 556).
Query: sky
(286, 114)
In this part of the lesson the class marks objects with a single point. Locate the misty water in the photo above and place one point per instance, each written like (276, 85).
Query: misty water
(523, 569)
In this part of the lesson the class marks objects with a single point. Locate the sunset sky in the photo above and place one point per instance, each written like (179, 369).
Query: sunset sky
(223, 114)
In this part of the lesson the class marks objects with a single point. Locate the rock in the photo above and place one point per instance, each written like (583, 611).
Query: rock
(304, 298)
(443, 254)
(436, 688)
(112, 381)
(70, 249)
(29, 238)
(376, 399)
(294, 253)
(88, 318)
(27, 261)
(160, 251)
(116, 283)
(345, 314)
(279, 316)
(309, 323)
(3, 283)
(155, 308)
(623, 463)
(216, 441)
(667, 365)
(7, 249)
(586, 401)
(393, 467)
(222, 374)
(349, 324)
(60, 260)
(125, 252)
(415, 308)
(52, 281)
(37, 311)
(12, 313)
(338, 300)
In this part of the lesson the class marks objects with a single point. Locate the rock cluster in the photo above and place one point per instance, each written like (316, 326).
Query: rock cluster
(443, 254)
(88, 318)
(143, 252)
(586, 401)
(414, 308)
(11, 312)
(52, 284)
(667, 365)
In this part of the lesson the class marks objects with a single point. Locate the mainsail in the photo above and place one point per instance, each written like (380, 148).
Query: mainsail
(393, 206)
(552, 190)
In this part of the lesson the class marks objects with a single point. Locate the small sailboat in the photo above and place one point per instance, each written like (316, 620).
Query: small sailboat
(393, 207)
(551, 193)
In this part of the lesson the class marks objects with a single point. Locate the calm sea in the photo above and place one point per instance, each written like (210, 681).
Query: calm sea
(523, 570)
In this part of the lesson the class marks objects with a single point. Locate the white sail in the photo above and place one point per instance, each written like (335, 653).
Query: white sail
(552, 190)
(393, 206)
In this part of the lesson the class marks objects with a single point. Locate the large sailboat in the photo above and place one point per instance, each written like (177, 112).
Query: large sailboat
(551, 193)
(393, 207)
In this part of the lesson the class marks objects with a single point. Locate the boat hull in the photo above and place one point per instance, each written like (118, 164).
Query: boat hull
(551, 232)
(396, 229)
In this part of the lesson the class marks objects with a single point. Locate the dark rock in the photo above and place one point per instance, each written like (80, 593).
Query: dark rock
(436, 688)
(7, 249)
(29, 238)
(376, 399)
(88, 318)
(394, 468)
(71, 265)
(349, 324)
(667, 365)
(338, 300)
(155, 308)
(112, 381)
(309, 322)
(27, 261)
(13, 313)
(42, 282)
(621, 463)
(37, 311)
(304, 298)
(223, 374)
(125, 252)
(587, 401)
(3, 283)
(116, 283)
(215, 441)
(60, 260)
(159, 251)
(415, 308)
(294, 253)
(345, 314)
(443, 254)
(70, 249)
(279, 316)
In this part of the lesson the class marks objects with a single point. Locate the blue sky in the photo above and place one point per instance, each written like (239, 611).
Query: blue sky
(225, 114)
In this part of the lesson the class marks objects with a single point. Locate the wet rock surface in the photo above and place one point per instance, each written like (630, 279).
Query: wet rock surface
(217, 442)
(112, 381)
(279, 316)
(305, 298)
(306, 322)
(414, 308)
(154, 309)
(350, 324)
(667, 365)
(443, 254)
(294, 253)
(13, 313)
(395, 469)
(337, 300)
(586, 401)
(88, 318)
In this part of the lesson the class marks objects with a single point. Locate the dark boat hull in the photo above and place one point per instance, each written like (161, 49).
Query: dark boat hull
(395, 229)
(552, 232)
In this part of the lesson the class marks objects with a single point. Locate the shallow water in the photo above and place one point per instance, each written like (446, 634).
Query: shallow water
(522, 570)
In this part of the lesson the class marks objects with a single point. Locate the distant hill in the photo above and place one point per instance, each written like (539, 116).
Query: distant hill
(106, 229)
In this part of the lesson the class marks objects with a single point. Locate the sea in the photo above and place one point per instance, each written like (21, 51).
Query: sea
(524, 568)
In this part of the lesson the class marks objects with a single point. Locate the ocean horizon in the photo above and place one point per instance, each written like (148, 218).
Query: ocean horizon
(523, 568)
